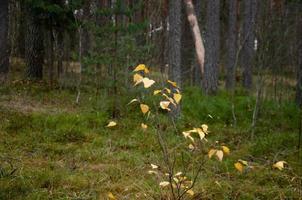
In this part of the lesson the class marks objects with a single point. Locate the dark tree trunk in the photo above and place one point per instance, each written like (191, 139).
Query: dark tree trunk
(175, 41)
(231, 45)
(4, 42)
(34, 51)
(248, 37)
(212, 45)
(299, 70)
(174, 45)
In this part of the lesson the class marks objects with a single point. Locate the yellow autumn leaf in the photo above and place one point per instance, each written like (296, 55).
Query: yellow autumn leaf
(111, 124)
(152, 172)
(243, 162)
(174, 84)
(168, 90)
(155, 92)
(164, 183)
(137, 78)
(170, 99)
(132, 101)
(111, 196)
(165, 105)
(148, 82)
(177, 97)
(141, 67)
(211, 152)
(144, 126)
(154, 166)
(279, 165)
(178, 174)
(190, 192)
(187, 134)
(205, 128)
(219, 155)
(226, 150)
(144, 108)
(191, 147)
(239, 166)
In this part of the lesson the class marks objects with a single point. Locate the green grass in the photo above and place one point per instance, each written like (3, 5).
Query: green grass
(55, 149)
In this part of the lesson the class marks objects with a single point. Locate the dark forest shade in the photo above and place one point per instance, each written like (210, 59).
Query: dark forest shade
(231, 45)
(212, 45)
(4, 48)
(34, 50)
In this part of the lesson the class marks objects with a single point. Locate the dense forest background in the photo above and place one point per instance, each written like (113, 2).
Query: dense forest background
(66, 70)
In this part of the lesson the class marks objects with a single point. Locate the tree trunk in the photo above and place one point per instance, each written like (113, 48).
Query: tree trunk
(248, 36)
(34, 51)
(175, 41)
(174, 44)
(199, 48)
(4, 47)
(212, 45)
(231, 45)
(299, 70)
(197, 75)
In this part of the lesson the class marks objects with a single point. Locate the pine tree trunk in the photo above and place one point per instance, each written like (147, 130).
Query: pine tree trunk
(299, 69)
(248, 36)
(34, 51)
(212, 45)
(4, 41)
(175, 41)
(174, 44)
(231, 45)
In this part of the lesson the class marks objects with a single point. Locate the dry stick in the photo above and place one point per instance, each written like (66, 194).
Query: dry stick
(235, 66)
(257, 104)
(199, 47)
(163, 146)
(80, 61)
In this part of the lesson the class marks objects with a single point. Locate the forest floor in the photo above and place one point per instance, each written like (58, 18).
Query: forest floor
(52, 148)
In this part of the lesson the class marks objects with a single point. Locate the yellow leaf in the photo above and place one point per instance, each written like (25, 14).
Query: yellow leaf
(154, 166)
(191, 147)
(164, 183)
(226, 150)
(177, 98)
(170, 99)
(141, 67)
(219, 155)
(190, 192)
(111, 124)
(165, 105)
(279, 165)
(176, 180)
(168, 90)
(174, 84)
(137, 78)
(155, 92)
(178, 174)
(187, 134)
(111, 196)
(205, 128)
(144, 108)
(152, 172)
(148, 82)
(211, 152)
(144, 126)
(132, 101)
(243, 162)
(239, 166)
